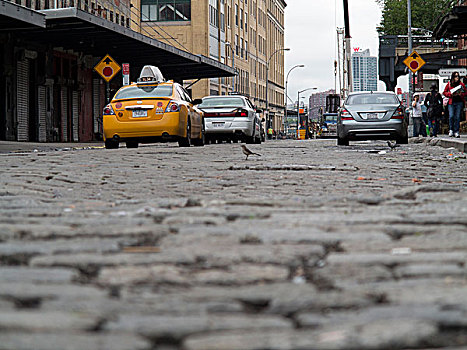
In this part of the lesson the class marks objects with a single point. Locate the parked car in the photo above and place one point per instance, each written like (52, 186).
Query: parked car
(152, 110)
(231, 117)
(372, 115)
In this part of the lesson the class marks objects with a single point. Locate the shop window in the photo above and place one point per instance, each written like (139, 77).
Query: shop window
(165, 10)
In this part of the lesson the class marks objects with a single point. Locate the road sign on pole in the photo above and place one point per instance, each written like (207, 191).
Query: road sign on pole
(414, 61)
(126, 73)
(107, 68)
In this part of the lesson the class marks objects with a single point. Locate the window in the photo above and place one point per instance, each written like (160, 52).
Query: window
(241, 19)
(213, 16)
(236, 44)
(222, 102)
(236, 15)
(165, 10)
(145, 92)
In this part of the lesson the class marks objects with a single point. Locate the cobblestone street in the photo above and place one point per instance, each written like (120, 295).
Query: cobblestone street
(310, 246)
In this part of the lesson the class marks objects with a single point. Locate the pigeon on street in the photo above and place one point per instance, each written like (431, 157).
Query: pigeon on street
(247, 152)
(392, 146)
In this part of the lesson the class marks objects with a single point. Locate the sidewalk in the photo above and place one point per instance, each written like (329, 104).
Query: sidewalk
(15, 146)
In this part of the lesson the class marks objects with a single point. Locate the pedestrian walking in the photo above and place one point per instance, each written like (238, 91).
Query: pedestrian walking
(455, 90)
(434, 105)
(270, 132)
(417, 117)
(426, 131)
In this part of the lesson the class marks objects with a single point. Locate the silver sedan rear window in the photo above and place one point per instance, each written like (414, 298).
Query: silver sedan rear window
(371, 99)
(222, 102)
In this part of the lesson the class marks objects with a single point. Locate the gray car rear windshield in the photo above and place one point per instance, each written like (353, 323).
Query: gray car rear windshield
(371, 99)
(144, 92)
(222, 102)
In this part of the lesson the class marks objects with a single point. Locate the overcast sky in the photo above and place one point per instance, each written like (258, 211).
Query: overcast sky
(310, 33)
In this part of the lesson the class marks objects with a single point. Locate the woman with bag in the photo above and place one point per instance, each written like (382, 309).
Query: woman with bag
(455, 90)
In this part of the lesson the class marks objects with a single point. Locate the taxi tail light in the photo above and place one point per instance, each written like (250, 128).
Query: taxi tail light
(398, 114)
(108, 110)
(242, 113)
(172, 107)
(345, 115)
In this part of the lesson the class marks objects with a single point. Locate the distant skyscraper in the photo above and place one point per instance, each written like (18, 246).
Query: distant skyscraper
(365, 72)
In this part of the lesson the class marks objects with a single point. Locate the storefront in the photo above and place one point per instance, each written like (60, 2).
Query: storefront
(51, 92)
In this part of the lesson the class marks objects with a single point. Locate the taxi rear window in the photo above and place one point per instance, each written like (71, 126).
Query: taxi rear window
(145, 91)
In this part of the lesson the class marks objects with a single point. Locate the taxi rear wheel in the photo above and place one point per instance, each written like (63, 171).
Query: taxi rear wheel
(111, 144)
(202, 140)
(186, 141)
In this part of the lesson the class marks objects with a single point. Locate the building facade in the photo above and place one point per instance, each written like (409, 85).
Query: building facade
(364, 71)
(317, 101)
(48, 50)
(244, 34)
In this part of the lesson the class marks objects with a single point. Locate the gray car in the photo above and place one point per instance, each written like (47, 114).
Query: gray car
(372, 116)
(231, 118)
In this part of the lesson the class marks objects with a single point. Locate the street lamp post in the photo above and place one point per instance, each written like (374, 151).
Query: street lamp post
(409, 29)
(227, 44)
(298, 108)
(267, 84)
(286, 82)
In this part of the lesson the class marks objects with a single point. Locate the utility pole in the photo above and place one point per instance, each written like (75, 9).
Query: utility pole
(348, 62)
(409, 22)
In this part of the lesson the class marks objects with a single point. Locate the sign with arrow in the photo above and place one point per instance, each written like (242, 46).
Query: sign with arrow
(107, 68)
(414, 61)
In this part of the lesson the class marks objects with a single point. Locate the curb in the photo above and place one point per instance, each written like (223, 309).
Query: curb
(460, 145)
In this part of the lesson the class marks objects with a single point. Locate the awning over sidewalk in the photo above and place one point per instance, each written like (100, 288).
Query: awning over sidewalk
(16, 17)
(454, 23)
(71, 28)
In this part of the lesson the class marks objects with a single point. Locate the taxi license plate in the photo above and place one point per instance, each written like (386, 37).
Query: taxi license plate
(218, 125)
(140, 113)
(372, 115)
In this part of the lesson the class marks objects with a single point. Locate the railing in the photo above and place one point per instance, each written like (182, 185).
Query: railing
(423, 41)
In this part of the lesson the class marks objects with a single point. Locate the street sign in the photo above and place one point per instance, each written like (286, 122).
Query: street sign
(126, 73)
(446, 72)
(107, 68)
(414, 62)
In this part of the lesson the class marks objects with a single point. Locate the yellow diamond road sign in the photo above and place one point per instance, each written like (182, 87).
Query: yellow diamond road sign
(107, 68)
(414, 61)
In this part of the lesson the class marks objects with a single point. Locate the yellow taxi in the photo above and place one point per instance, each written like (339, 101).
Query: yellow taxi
(153, 110)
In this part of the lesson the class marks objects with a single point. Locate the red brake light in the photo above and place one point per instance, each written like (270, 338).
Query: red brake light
(242, 113)
(172, 107)
(398, 114)
(108, 110)
(345, 115)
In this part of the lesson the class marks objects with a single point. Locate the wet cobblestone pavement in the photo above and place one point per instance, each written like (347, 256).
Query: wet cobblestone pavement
(310, 246)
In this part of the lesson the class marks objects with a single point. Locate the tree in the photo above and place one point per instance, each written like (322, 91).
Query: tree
(425, 15)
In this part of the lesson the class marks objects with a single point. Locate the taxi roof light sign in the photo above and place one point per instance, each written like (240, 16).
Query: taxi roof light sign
(150, 74)
(107, 68)
(414, 61)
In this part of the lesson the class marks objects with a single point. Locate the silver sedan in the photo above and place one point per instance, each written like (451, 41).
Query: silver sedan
(372, 116)
(231, 118)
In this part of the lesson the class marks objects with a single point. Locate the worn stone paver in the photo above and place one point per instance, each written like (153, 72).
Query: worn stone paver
(310, 246)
